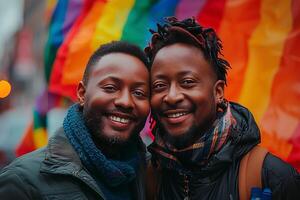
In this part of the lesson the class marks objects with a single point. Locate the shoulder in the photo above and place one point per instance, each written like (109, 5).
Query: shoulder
(15, 179)
(27, 163)
(280, 176)
(277, 168)
(25, 167)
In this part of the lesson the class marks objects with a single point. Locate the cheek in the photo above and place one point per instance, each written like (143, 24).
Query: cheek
(99, 103)
(98, 100)
(156, 101)
(205, 106)
(143, 108)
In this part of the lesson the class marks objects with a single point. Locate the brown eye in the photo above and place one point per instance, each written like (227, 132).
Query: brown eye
(139, 93)
(158, 86)
(188, 82)
(109, 88)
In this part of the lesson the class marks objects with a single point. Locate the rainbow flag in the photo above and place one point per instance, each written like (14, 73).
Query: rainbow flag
(64, 14)
(260, 39)
(36, 135)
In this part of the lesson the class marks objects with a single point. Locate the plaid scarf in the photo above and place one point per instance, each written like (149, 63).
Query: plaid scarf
(165, 155)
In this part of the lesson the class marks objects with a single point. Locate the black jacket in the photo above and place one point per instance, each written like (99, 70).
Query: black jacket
(219, 178)
(54, 172)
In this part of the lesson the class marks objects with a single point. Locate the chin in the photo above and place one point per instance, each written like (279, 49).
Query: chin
(179, 139)
(116, 140)
(112, 139)
(176, 132)
(173, 130)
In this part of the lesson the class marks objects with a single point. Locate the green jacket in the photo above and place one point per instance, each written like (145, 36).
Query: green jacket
(54, 172)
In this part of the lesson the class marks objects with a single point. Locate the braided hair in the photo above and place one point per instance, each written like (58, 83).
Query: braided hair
(190, 32)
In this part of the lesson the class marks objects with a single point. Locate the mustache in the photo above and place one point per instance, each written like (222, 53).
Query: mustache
(97, 113)
(122, 112)
(166, 108)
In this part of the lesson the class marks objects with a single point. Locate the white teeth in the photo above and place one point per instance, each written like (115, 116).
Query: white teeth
(119, 119)
(176, 114)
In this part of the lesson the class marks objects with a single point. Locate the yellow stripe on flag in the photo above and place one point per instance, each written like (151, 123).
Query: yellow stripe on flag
(110, 26)
(265, 50)
(40, 138)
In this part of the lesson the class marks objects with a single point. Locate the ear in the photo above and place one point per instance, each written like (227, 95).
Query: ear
(81, 93)
(219, 91)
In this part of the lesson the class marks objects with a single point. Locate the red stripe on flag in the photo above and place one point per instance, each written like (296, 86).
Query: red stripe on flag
(55, 85)
(26, 144)
(212, 14)
(294, 157)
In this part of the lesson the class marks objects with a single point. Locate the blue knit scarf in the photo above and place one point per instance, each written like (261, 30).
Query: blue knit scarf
(113, 173)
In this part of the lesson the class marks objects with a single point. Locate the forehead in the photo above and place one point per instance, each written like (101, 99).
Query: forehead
(120, 65)
(178, 58)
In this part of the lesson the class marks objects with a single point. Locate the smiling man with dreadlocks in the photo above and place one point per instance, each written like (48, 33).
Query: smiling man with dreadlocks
(205, 147)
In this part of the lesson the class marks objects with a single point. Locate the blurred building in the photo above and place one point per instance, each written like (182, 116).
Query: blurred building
(22, 40)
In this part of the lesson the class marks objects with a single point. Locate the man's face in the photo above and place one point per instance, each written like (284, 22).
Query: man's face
(184, 91)
(116, 98)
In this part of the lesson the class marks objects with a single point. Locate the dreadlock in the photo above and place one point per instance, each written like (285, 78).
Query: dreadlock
(190, 32)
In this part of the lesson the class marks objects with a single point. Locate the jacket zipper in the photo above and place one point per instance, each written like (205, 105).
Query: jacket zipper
(186, 187)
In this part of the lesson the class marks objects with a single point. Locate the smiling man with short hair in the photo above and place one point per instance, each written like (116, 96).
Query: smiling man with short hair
(98, 153)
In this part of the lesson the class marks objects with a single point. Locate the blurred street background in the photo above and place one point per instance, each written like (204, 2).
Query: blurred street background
(45, 45)
(22, 39)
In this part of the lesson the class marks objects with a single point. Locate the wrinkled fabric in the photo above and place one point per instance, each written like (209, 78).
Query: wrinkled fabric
(56, 172)
(198, 154)
(218, 179)
(113, 172)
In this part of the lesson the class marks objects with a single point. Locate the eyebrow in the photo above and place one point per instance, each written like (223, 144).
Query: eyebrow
(183, 73)
(119, 81)
(108, 77)
(160, 76)
(140, 83)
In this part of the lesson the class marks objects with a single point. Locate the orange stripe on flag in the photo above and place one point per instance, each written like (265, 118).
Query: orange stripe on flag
(265, 50)
(239, 21)
(283, 114)
(80, 48)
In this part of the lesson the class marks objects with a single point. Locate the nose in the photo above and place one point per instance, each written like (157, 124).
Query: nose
(173, 96)
(124, 100)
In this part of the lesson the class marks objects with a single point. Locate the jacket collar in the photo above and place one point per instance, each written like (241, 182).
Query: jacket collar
(60, 155)
(61, 159)
(243, 137)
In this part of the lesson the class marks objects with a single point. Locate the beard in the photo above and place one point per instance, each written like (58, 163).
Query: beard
(94, 124)
(186, 139)
(180, 141)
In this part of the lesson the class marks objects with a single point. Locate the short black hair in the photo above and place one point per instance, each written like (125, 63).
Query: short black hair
(114, 47)
(190, 32)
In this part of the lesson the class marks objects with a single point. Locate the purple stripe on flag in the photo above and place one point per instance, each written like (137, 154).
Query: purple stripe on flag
(189, 8)
(74, 8)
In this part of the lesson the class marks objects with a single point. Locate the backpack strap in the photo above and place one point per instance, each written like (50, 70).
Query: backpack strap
(250, 171)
